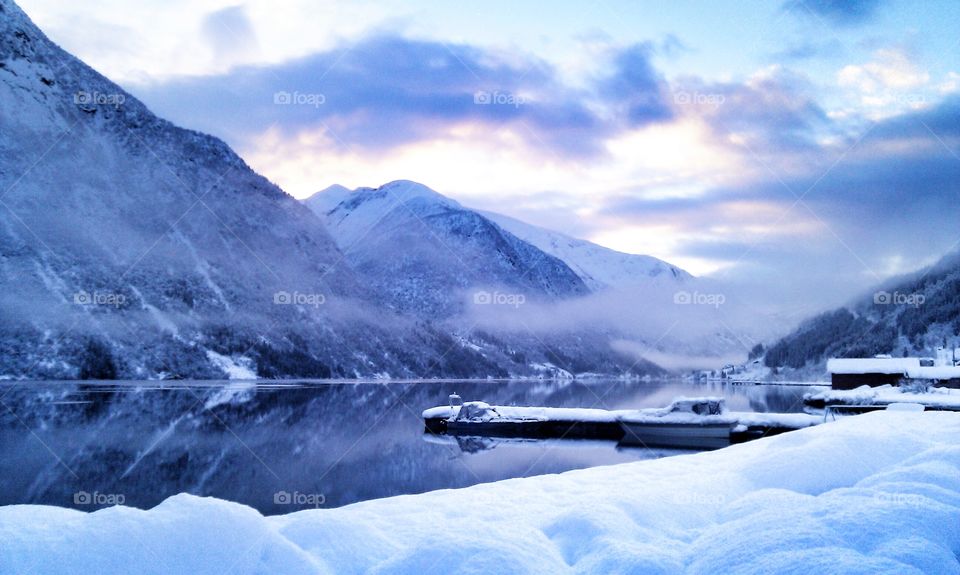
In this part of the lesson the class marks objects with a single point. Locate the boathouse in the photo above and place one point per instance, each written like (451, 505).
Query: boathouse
(850, 373)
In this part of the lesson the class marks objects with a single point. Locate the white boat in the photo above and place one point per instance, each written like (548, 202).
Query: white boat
(701, 423)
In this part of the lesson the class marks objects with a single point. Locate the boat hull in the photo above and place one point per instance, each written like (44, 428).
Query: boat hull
(694, 436)
(534, 429)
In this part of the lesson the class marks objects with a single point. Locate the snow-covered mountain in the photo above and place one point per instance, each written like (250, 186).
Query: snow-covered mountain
(130, 247)
(325, 200)
(429, 255)
(133, 247)
(597, 266)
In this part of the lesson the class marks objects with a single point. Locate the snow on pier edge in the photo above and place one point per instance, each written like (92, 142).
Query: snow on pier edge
(481, 412)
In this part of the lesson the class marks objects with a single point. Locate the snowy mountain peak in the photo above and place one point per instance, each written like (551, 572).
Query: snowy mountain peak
(408, 189)
(597, 266)
(334, 189)
(354, 214)
(396, 193)
(327, 198)
(390, 195)
(426, 252)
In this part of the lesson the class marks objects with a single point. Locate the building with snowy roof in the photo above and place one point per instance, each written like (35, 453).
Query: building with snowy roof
(850, 373)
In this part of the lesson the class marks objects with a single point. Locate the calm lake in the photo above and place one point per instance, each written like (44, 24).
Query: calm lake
(284, 446)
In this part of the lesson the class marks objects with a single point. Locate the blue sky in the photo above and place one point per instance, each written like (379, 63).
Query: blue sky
(807, 149)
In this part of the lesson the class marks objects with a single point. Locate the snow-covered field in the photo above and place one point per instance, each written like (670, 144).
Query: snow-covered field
(876, 493)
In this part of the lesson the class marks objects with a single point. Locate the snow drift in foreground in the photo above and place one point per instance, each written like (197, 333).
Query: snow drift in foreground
(876, 493)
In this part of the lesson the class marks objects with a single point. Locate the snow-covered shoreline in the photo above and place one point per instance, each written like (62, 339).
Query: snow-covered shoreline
(875, 493)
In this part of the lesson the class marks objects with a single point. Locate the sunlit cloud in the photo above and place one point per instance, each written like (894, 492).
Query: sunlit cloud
(142, 42)
(890, 69)
(888, 84)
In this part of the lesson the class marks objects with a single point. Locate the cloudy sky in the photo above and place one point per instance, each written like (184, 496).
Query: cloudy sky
(808, 148)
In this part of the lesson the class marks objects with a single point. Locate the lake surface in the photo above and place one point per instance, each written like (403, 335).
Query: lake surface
(281, 447)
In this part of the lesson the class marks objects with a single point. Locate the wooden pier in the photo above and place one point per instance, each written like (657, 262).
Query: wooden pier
(668, 427)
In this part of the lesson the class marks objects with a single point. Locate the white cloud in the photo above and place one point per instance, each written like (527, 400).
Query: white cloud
(889, 70)
(950, 84)
(140, 42)
(889, 84)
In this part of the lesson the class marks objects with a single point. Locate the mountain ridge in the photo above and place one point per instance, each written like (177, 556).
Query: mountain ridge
(907, 315)
(132, 248)
(426, 252)
(596, 265)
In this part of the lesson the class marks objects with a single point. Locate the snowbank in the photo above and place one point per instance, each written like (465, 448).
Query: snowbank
(875, 493)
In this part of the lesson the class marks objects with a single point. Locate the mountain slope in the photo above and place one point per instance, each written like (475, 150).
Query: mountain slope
(910, 315)
(599, 267)
(428, 254)
(129, 236)
(131, 248)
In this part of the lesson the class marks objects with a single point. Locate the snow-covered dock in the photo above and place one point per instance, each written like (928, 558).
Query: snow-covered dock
(687, 423)
(867, 398)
